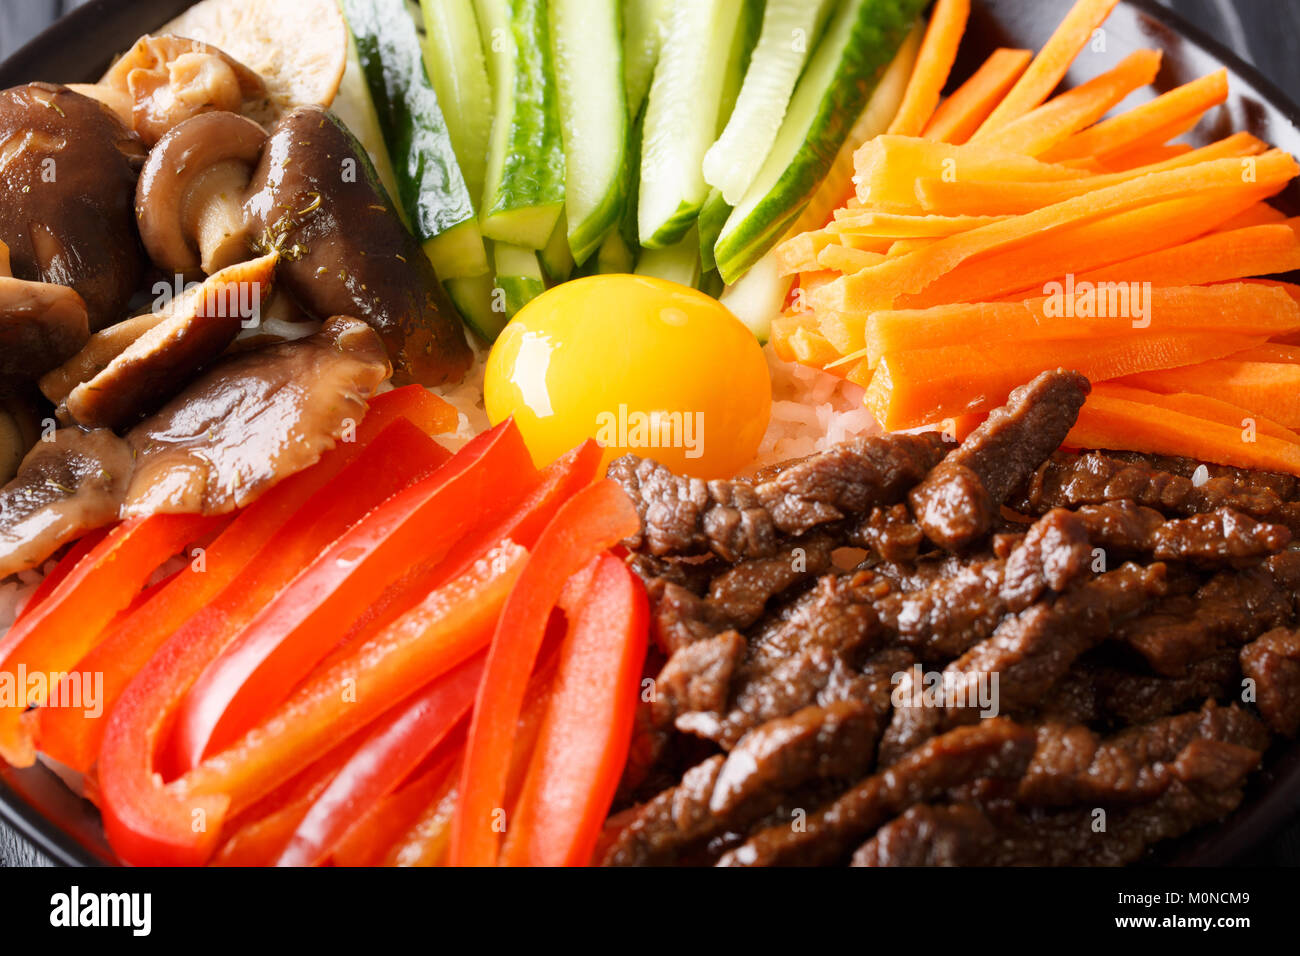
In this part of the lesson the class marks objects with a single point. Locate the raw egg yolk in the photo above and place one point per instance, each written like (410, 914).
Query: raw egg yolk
(641, 365)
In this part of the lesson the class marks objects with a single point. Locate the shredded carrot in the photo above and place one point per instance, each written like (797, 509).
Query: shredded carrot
(1238, 309)
(1148, 156)
(913, 387)
(1081, 248)
(1280, 354)
(986, 198)
(1050, 66)
(1199, 406)
(1260, 214)
(799, 253)
(811, 348)
(848, 260)
(784, 326)
(1056, 120)
(1117, 424)
(859, 374)
(1218, 257)
(880, 286)
(960, 115)
(1271, 389)
(898, 226)
(904, 247)
(933, 66)
(1163, 117)
(844, 330)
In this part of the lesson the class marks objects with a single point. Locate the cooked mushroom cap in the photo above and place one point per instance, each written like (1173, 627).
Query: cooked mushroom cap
(104, 346)
(299, 49)
(153, 367)
(168, 79)
(41, 326)
(253, 420)
(67, 195)
(65, 488)
(189, 202)
(345, 251)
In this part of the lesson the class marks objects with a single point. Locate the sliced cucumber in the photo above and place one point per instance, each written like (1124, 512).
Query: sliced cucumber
(453, 57)
(713, 216)
(615, 256)
(758, 296)
(742, 50)
(678, 263)
(557, 258)
(429, 181)
(681, 117)
(875, 119)
(645, 24)
(356, 109)
(586, 37)
(475, 300)
(523, 191)
(711, 283)
(860, 40)
(790, 29)
(518, 276)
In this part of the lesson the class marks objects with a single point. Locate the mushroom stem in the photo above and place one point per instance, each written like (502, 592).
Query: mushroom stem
(219, 224)
(116, 100)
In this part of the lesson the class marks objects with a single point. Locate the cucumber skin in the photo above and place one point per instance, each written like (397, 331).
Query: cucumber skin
(475, 118)
(429, 181)
(879, 30)
(473, 298)
(713, 216)
(532, 164)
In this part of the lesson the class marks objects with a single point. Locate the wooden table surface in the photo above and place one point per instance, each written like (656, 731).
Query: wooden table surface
(1265, 32)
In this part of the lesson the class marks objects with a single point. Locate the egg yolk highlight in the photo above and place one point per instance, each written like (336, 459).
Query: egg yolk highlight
(641, 365)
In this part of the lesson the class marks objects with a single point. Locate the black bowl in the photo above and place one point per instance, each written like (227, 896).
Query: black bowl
(79, 47)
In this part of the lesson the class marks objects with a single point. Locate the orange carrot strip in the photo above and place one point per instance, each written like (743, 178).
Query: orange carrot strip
(880, 286)
(1147, 156)
(1051, 64)
(1237, 309)
(1081, 248)
(1218, 257)
(888, 168)
(898, 226)
(903, 247)
(1056, 120)
(914, 387)
(1271, 352)
(960, 197)
(960, 115)
(1158, 116)
(1200, 406)
(1120, 425)
(1266, 388)
(844, 330)
(799, 253)
(1260, 214)
(810, 347)
(933, 65)
(846, 260)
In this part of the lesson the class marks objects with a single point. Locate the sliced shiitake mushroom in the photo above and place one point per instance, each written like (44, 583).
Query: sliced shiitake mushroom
(41, 325)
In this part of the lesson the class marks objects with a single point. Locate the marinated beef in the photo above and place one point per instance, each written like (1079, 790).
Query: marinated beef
(1273, 663)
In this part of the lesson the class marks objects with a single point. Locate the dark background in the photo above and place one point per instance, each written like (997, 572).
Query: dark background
(1264, 32)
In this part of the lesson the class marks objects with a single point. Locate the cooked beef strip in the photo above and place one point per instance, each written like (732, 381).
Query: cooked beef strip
(1069, 480)
(959, 500)
(1233, 607)
(737, 520)
(836, 742)
(995, 748)
(740, 595)
(1286, 487)
(889, 533)
(1273, 663)
(956, 835)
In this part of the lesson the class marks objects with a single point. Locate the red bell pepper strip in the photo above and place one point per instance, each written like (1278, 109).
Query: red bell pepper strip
(399, 742)
(59, 633)
(584, 740)
(288, 637)
(71, 558)
(152, 823)
(596, 518)
(261, 550)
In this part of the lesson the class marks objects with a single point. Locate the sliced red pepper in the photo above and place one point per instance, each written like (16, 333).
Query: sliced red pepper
(584, 740)
(150, 823)
(259, 553)
(71, 558)
(400, 740)
(593, 520)
(68, 624)
(289, 636)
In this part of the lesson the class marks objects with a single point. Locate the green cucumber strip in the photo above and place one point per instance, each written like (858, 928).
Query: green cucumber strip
(518, 276)
(645, 23)
(681, 117)
(429, 181)
(875, 119)
(758, 296)
(615, 256)
(587, 41)
(557, 258)
(713, 216)
(738, 59)
(790, 29)
(678, 263)
(356, 109)
(474, 299)
(859, 42)
(523, 191)
(711, 283)
(627, 226)
(453, 57)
